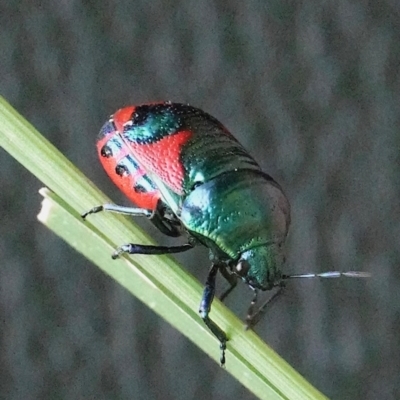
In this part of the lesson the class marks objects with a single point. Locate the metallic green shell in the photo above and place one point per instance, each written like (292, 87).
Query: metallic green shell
(238, 211)
(210, 152)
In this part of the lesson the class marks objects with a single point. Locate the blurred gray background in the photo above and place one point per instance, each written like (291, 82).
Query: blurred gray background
(310, 88)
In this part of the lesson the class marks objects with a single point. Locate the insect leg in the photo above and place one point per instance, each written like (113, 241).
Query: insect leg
(166, 226)
(232, 280)
(253, 317)
(205, 308)
(134, 211)
(132, 248)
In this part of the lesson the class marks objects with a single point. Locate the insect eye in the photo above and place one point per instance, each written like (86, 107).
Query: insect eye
(242, 268)
(106, 151)
(121, 170)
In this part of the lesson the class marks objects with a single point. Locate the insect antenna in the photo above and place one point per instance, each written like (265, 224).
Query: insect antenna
(330, 274)
(254, 317)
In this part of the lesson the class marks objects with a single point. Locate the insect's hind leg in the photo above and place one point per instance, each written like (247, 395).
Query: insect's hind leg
(168, 227)
(132, 248)
(133, 211)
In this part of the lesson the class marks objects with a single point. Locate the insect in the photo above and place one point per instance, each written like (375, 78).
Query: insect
(187, 173)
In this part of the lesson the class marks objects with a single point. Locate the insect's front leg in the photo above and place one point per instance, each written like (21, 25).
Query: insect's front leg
(205, 308)
(253, 316)
(231, 279)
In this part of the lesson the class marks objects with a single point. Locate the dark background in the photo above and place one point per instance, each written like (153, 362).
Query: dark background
(310, 88)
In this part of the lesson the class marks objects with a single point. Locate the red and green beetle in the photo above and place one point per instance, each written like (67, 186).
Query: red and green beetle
(187, 173)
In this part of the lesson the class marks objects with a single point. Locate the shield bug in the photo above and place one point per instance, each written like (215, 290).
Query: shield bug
(187, 173)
